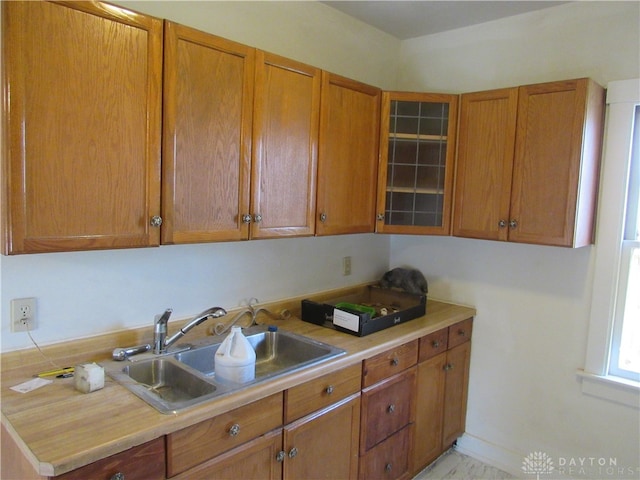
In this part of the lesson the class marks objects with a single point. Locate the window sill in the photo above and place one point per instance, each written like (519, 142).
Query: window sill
(615, 389)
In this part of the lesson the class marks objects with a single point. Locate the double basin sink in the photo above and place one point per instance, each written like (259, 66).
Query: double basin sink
(174, 381)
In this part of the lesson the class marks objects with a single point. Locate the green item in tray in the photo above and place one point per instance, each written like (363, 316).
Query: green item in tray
(358, 308)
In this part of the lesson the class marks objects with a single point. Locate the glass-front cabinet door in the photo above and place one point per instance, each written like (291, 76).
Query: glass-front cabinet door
(417, 152)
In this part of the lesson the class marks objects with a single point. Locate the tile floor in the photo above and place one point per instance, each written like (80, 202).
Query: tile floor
(456, 466)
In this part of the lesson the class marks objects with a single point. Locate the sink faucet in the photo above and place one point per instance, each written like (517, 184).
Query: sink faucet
(160, 341)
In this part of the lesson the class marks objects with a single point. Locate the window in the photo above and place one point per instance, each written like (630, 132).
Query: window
(625, 346)
(613, 347)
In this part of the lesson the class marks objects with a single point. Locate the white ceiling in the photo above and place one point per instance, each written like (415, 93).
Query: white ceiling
(409, 19)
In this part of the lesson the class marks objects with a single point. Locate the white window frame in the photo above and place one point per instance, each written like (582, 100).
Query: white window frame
(622, 98)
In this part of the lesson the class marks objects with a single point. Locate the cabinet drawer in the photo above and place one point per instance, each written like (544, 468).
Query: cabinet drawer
(256, 459)
(145, 461)
(386, 408)
(433, 344)
(390, 459)
(389, 363)
(460, 332)
(321, 392)
(198, 443)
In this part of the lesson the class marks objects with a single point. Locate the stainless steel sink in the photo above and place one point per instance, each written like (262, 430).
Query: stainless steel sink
(173, 382)
(276, 353)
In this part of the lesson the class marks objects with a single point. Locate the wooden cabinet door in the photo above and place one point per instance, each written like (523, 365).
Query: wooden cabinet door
(486, 139)
(430, 383)
(285, 147)
(208, 104)
(144, 462)
(83, 126)
(348, 157)
(324, 444)
(455, 394)
(255, 459)
(555, 172)
(417, 154)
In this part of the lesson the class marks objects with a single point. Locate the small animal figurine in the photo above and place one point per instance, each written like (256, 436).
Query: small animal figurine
(408, 279)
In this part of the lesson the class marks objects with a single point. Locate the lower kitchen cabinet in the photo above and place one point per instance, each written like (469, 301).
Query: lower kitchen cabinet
(144, 462)
(206, 440)
(256, 459)
(389, 459)
(324, 444)
(441, 392)
(388, 413)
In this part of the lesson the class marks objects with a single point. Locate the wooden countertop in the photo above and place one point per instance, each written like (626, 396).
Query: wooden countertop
(59, 429)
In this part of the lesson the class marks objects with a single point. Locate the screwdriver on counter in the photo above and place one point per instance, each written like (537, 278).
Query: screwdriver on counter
(65, 372)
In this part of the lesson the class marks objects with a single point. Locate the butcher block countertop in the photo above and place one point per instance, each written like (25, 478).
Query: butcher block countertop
(59, 429)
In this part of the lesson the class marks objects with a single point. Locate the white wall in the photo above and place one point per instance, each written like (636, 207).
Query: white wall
(87, 293)
(533, 302)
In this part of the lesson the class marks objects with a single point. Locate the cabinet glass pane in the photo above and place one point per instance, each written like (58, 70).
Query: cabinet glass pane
(416, 163)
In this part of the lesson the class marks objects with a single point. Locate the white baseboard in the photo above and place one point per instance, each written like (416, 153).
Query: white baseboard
(494, 455)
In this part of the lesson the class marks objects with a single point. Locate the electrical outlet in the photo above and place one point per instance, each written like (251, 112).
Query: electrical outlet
(346, 265)
(23, 314)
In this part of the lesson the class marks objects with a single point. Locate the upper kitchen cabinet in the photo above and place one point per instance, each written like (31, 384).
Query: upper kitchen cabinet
(208, 107)
(348, 156)
(82, 116)
(285, 147)
(417, 153)
(528, 163)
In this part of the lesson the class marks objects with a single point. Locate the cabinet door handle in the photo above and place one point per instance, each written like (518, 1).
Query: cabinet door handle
(156, 221)
(391, 408)
(293, 452)
(281, 456)
(448, 367)
(329, 389)
(502, 223)
(388, 467)
(395, 361)
(257, 218)
(513, 224)
(117, 476)
(234, 430)
(323, 217)
(380, 217)
(246, 218)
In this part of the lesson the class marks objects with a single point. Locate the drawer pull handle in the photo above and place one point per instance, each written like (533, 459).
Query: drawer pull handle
(391, 408)
(281, 456)
(234, 430)
(395, 361)
(435, 344)
(329, 389)
(462, 333)
(293, 452)
(118, 476)
(388, 467)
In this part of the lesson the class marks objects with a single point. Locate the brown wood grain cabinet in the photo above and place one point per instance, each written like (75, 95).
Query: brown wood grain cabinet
(144, 462)
(321, 422)
(441, 392)
(388, 413)
(417, 155)
(285, 147)
(208, 108)
(82, 126)
(528, 163)
(348, 156)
